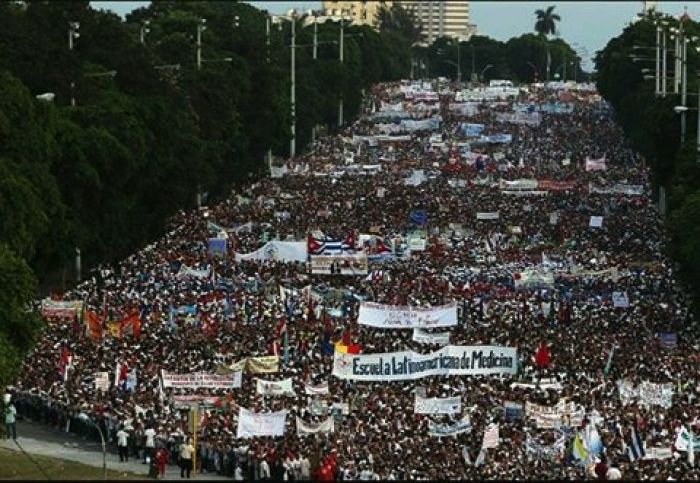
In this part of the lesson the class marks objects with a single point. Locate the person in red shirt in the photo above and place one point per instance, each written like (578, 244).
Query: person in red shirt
(161, 459)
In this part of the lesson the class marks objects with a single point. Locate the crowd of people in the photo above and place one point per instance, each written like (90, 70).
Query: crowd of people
(546, 238)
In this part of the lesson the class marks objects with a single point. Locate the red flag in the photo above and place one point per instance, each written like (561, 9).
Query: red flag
(542, 356)
(312, 246)
(132, 323)
(94, 326)
(353, 349)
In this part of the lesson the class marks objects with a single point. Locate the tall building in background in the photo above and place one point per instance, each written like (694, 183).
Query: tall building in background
(446, 18)
(359, 13)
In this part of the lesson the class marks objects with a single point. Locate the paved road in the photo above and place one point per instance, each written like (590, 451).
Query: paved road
(46, 441)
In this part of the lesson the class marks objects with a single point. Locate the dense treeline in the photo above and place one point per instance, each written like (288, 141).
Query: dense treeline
(653, 128)
(105, 174)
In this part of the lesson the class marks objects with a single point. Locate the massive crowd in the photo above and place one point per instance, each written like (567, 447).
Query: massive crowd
(599, 300)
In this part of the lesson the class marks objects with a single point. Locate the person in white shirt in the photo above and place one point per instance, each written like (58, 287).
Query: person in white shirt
(238, 473)
(186, 450)
(305, 466)
(264, 470)
(123, 444)
(150, 435)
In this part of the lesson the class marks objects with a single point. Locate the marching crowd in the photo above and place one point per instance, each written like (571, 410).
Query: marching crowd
(587, 304)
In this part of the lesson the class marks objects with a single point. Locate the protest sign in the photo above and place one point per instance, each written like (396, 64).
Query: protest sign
(554, 417)
(648, 393)
(408, 365)
(438, 405)
(304, 428)
(252, 424)
(464, 425)
(423, 337)
(102, 381)
(201, 380)
(274, 388)
(398, 317)
(347, 264)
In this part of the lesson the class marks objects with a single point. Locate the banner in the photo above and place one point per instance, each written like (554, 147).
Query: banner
(416, 242)
(530, 279)
(339, 264)
(648, 393)
(620, 299)
(397, 317)
(464, 425)
(423, 337)
(263, 364)
(551, 185)
(62, 309)
(618, 189)
(596, 222)
(513, 411)
(283, 251)
(252, 424)
(408, 365)
(186, 271)
(201, 379)
(553, 417)
(682, 442)
(487, 216)
(102, 381)
(438, 405)
(304, 428)
(538, 450)
(471, 130)
(519, 184)
(217, 247)
(595, 164)
(656, 453)
(274, 388)
(320, 389)
(669, 340)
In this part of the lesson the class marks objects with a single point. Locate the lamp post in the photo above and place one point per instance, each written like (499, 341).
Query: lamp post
(483, 71)
(201, 27)
(72, 33)
(86, 418)
(291, 16)
(144, 30)
(534, 69)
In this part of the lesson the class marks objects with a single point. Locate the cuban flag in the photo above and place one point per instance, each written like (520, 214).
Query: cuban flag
(635, 445)
(327, 246)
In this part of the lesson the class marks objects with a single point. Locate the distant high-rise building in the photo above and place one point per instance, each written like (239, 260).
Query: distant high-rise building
(359, 13)
(445, 18)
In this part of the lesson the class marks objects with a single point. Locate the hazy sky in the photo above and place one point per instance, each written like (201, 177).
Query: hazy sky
(587, 25)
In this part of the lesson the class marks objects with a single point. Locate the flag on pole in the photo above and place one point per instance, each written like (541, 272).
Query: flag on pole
(606, 371)
(635, 445)
(579, 450)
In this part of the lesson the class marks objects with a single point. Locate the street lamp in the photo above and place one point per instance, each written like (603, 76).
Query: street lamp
(72, 33)
(481, 76)
(144, 30)
(291, 16)
(84, 417)
(201, 27)
(534, 69)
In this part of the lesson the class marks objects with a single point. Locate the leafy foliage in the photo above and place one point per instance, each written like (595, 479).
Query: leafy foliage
(653, 128)
(546, 23)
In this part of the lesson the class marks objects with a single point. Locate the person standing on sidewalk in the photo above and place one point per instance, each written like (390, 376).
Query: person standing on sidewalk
(186, 450)
(11, 420)
(123, 444)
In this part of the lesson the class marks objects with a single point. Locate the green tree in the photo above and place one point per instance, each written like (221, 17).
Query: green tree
(401, 20)
(546, 23)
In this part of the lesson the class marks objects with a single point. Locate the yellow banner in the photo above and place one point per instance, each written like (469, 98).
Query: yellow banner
(263, 364)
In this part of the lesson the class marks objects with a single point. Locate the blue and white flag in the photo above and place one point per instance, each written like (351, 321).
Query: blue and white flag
(418, 217)
(635, 445)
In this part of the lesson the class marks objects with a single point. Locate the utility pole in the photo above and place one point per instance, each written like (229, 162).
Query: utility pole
(293, 141)
(200, 28)
(665, 72)
(565, 61)
(459, 62)
(267, 37)
(72, 35)
(316, 40)
(684, 86)
(144, 30)
(658, 61)
(340, 102)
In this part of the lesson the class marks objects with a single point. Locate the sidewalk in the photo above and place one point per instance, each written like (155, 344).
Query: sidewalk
(46, 441)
